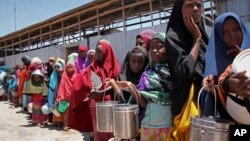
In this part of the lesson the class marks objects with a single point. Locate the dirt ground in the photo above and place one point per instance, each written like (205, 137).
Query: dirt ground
(16, 126)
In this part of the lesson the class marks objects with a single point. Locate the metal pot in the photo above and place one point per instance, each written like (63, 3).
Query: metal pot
(125, 121)
(104, 116)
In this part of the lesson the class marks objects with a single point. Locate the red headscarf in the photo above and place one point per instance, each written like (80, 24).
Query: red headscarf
(66, 83)
(82, 86)
(110, 67)
(83, 48)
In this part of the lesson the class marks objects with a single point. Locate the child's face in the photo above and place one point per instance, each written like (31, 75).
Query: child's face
(70, 69)
(140, 43)
(136, 62)
(157, 51)
(91, 57)
(232, 33)
(36, 78)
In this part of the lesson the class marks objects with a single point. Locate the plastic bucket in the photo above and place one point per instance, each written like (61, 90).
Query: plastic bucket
(30, 107)
(63, 106)
(45, 109)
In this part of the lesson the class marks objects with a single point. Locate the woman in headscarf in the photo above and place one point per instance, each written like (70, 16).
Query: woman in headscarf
(37, 89)
(81, 58)
(186, 43)
(229, 37)
(23, 79)
(83, 109)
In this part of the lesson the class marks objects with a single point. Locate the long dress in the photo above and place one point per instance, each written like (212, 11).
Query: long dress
(83, 113)
(185, 71)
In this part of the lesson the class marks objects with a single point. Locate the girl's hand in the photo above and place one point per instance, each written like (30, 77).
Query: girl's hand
(239, 84)
(123, 84)
(192, 27)
(233, 51)
(95, 93)
(110, 82)
(209, 82)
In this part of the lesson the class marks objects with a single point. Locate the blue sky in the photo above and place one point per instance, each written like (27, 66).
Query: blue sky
(29, 12)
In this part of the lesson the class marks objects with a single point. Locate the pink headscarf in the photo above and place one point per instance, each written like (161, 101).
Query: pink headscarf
(80, 61)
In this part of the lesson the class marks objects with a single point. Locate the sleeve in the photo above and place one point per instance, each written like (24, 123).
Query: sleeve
(223, 76)
(181, 65)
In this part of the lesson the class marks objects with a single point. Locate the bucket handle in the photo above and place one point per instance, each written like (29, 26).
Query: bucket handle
(104, 94)
(215, 100)
(132, 85)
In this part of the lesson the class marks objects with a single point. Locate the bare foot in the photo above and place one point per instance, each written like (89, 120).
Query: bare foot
(66, 128)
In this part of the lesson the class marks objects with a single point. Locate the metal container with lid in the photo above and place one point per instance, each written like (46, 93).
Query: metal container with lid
(126, 123)
(104, 115)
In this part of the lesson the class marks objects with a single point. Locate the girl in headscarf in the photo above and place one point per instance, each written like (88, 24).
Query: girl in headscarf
(37, 89)
(154, 92)
(229, 37)
(90, 57)
(81, 58)
(142, 40)
(186, 43)
(133, 66)
(36, 63)
(12, 81)
(54, 83)
(83, 109)
(65, 88)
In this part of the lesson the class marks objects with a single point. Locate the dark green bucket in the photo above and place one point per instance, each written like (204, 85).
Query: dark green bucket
(63, 105)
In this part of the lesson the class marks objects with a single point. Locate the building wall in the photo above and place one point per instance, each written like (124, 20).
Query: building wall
(240, 7)
(120, 41)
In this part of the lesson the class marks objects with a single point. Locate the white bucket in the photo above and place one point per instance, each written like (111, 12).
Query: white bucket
(30, 107)
(45, 109)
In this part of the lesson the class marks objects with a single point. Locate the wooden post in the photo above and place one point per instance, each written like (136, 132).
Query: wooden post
(20, 44)
(41, 38)
(79, 28)
(5, 48)
(123, 17)
(212, 9)
(151, 11)
(98, 24)
(62, 32)
(13, 52)
(50, 35)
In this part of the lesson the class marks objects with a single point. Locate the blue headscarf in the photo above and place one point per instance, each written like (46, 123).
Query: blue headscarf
(216, 57)
(13, 83)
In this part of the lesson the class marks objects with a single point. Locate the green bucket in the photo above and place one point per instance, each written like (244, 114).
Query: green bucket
(62, 107)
